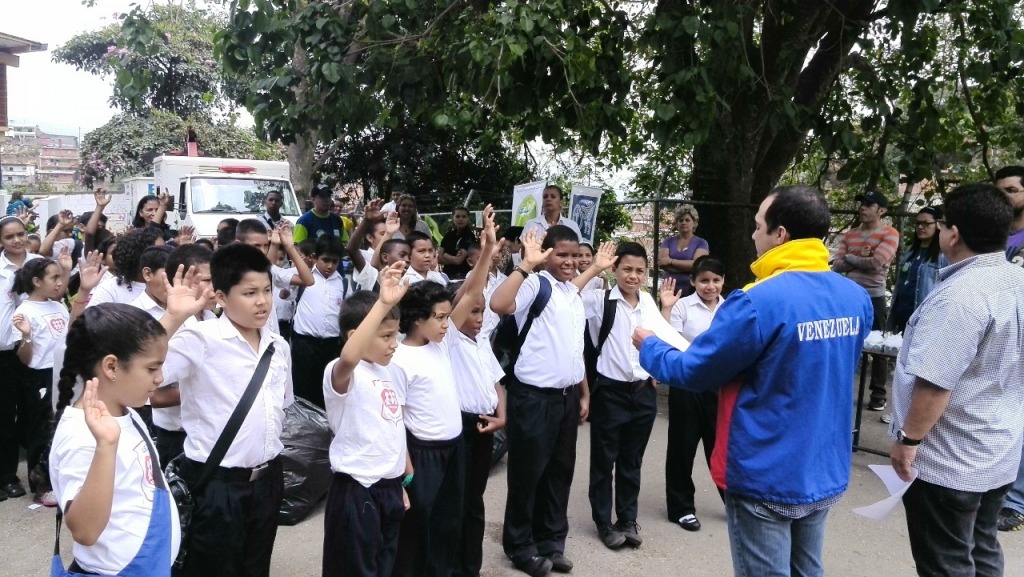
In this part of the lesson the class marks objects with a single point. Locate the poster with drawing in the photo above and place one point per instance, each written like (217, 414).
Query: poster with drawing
(526, 202)
(583, 210)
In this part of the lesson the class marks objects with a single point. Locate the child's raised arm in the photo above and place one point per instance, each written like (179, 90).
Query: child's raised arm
(392, 289)
(604, 259)
(503, 301)
(477, 280)
(184, 299)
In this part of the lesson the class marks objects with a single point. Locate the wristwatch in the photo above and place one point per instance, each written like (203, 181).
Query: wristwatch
(522, 271)
(903, 439)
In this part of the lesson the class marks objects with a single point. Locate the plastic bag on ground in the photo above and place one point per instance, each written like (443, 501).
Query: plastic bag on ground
(307, 466)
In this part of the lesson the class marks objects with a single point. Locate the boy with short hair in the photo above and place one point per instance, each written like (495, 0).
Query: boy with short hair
(368, 453)
(316, 333)
(422, 259)
(371, 232)
(234, 523)
(494, 279)
(548, 398)
(253, 232)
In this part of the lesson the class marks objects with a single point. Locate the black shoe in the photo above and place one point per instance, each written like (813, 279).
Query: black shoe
(876, 405)
(3, 495)
(535, 566)
(1010, 520)
(13, 489)
(689, 522)
(611, 536)
(630, 530)
(559, 563)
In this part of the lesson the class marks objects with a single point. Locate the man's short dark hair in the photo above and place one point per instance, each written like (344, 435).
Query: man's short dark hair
(232, 262)
(187, 256)
(512, 233)
(981, 213)
(307, 247)
(274, 191)
(330, 246)
(801, 209)
(416, 235)
(558, 233)
(630, 249)
(1010, 171)
(250, 226)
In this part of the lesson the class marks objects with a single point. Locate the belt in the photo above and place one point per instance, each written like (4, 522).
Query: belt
(242, 474)
(548, 390)
(633, 386)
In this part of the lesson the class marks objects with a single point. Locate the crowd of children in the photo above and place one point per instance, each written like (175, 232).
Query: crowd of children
(151, 347)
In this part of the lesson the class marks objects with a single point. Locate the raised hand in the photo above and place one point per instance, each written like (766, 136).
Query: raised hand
(64, 260)
(24, 215)
(103, 426)
(21, 323)
(490, 233)
(284, 234)
(90, 272)
(65, 218)
(371, 212)
(184, 297)
(533, 254)
(102, 198)
(393, 285)
(164, 198)
(668, 293)
(604, 259)
(392, 224)
(186, 235)
(497, 247)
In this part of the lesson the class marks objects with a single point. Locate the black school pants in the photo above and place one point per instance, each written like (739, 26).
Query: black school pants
(431, 530)
(621, 419)
(691, 421)
(542, 428)
(478, 449)
(234, 524)
(361, 527)
(16, 413)
(169, 444)
(310, 356)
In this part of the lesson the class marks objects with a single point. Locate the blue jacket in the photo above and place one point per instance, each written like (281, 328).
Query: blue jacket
(782, 353)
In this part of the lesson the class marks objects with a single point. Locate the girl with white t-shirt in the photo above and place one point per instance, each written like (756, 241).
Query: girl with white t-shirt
(39, 324)
(105, 471)
(691, 416)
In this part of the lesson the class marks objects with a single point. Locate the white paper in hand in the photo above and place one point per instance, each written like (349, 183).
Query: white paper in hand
(664, 331)
(896, 487)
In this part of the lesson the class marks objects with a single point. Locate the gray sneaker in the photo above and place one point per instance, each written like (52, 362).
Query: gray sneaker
(611, 537)
(631, 531)
(1010, 520)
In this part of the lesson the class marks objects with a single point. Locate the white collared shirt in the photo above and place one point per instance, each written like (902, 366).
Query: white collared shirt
(316, 313)
(8, 300)
(366, 277)
(168, 418)
(542, 223)
(432, 275)
(108, 291)
(619, 359)
(491, 318)
(146, 303)
(690, 316)
(476, 372)
(212, 364)
(552, 356)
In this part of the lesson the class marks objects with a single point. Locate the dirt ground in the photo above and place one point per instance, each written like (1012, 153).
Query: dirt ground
(854, 546)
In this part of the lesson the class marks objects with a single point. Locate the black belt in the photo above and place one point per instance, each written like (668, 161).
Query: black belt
(548, 390)
(633, 386)
(243, 474)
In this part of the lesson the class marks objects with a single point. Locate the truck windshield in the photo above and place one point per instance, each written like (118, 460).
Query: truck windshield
(239, 195)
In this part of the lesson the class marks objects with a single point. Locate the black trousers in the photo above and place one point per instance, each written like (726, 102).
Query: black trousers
(16, 413)
(542, 428)
(234, 525)
(477, 450)
(37, 426)
(361, 527)
(621, 418)
(691, 421)
(953, 533)
(169, 444)
(310, 356)
(879, 363)
(431, 530)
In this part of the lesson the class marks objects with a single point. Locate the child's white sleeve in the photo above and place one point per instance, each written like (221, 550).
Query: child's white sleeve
(70, 461)
(679, 317)
(366, 277)
(282, 277)
(289, 389)
(527, 292)
(184, 348)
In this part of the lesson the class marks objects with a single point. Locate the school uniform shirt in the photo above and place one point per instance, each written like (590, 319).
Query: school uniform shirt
(432, 275)
(596, 283)
(366, 278)
(491, 318)
(9, 301)
(212, 364)
(424, 378)
(476, 371)
(542, 225)
(369, 433)
(108, 291)
(619, 359)
(134, 486)
(49, 320)
(552, 356)
(691, 317)
(285, 307)
(280, 278)
(316, 313)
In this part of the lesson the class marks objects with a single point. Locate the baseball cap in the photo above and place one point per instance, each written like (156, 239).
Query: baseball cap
(872, 197)
(321, 190)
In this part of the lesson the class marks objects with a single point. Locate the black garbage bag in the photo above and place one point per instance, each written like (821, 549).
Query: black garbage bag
(307, 466)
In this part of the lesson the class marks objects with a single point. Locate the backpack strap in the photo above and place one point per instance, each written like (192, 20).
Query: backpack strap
(607, 320)
(537, 307)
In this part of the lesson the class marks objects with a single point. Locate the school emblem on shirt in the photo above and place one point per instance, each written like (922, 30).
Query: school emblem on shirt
(390, 409)
(145, 461)
(56, 323)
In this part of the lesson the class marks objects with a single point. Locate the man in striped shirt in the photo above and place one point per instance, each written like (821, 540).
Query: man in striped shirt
(865, 253)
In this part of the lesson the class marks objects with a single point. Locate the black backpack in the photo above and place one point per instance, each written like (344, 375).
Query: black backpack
(507, 338)
(591, 351)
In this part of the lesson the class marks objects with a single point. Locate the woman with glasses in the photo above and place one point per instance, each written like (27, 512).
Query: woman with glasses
(677, 253)
(918, 269)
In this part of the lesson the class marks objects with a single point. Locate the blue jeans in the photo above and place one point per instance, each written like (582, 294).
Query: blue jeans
(767, 544)
(1015, 498)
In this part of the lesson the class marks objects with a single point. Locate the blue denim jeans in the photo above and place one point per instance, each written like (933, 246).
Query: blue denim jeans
(1015, 498)
(767, 544)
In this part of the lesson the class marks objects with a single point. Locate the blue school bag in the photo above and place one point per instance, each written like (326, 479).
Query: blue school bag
(507, 338)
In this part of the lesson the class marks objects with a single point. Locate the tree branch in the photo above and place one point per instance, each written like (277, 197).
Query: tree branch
(411, 37)
(969, 101)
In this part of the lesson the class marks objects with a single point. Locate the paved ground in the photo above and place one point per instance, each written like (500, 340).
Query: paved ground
(855, 546)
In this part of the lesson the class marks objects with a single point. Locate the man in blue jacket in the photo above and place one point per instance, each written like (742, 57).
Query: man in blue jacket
(782, 353)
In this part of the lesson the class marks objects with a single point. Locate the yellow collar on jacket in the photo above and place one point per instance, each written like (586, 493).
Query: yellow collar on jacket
(804, 255)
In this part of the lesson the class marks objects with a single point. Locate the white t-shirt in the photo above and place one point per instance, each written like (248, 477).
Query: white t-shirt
(476, 372)
(108, 291)
(691, 317)
(369, 434)
(423, 377)
(134, 485)
(367, 277)
(49, 320)
(9, 300)
(285, 307)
